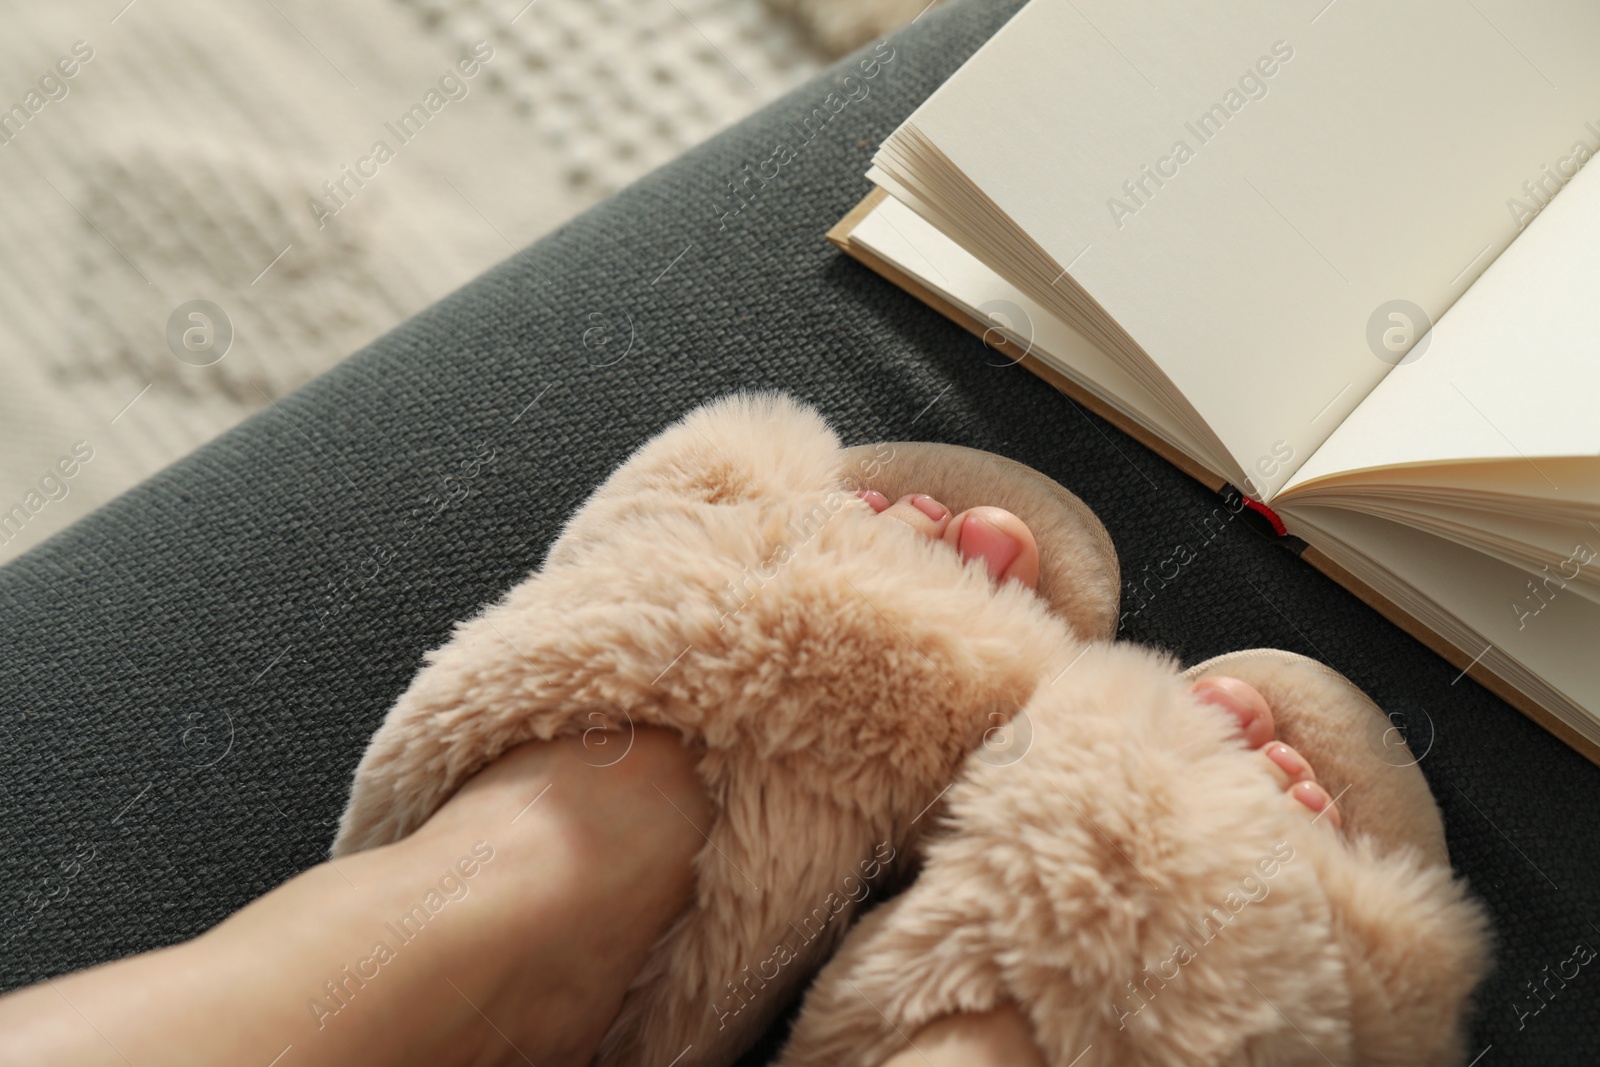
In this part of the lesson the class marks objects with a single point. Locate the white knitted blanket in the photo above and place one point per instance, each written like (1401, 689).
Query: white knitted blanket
(314, 173)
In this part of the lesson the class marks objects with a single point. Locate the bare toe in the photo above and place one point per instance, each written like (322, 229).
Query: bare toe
(1315, 799)
(1244, 702)
(1290, 763)
(875, 500)
(1298, 780)
(920, 512)
(1000, 539)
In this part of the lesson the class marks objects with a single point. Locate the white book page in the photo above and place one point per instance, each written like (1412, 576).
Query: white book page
(907, 241)
(1357, 153)
(1512, 371)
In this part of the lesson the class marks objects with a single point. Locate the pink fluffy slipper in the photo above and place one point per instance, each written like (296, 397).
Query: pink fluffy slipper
(1139, 887)
(830, 669)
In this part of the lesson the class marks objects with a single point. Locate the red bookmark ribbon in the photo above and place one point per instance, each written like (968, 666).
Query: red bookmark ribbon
(1271, 516)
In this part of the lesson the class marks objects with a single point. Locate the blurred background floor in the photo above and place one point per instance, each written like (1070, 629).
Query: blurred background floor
(230, 154)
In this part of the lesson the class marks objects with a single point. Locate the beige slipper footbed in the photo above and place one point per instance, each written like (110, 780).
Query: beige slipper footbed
(829, 669)
(1143, 891)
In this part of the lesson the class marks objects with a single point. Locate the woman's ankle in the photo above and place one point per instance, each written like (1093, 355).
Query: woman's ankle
(999, 1038)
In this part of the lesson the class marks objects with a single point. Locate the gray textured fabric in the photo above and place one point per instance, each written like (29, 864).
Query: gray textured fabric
(189, 675)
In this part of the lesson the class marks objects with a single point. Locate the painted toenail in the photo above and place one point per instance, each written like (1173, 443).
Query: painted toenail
(1208, 691)
(1292, 762)
(930, 507)
(1311, 795)
(1243, 702)
(995, 547)
(875, 500)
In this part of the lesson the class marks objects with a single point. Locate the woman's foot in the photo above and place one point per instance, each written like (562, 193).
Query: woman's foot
(593, 854)
(593, 860)
(613, 841)
(1003, 1038)
(994, 535)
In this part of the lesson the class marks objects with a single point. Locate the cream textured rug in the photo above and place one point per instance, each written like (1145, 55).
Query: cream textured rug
(314, 173)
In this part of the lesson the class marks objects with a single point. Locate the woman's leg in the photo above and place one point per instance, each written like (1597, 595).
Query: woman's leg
(506, 930)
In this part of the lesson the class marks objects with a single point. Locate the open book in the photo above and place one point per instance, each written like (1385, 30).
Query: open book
(1339, 255)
